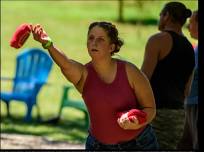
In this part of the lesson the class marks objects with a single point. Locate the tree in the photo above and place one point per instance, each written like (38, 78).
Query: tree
(120, 11)
(121, 8)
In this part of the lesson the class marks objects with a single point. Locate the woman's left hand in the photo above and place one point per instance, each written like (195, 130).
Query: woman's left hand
(125, 123)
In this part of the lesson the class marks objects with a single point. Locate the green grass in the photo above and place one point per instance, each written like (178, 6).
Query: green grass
(67, 22)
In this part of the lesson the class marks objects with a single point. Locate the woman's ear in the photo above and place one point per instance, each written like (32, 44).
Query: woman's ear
(112, 47)
(167, 16)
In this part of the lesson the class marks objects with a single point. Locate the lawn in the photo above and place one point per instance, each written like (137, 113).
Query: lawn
(67, 23)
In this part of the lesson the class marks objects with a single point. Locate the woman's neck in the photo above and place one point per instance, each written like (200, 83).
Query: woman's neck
(103, 65)
(175, 28)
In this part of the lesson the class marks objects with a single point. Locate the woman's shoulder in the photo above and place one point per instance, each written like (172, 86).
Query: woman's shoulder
(159, 41)
(160, 36)
(134, 74)
(131, 68)
(88, 64)
(126, 63)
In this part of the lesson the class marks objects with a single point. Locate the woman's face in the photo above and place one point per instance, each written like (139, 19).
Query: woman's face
(98, 43)
(162, 19)
(193, 26)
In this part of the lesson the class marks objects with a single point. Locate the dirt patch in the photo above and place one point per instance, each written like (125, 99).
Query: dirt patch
(17, 141)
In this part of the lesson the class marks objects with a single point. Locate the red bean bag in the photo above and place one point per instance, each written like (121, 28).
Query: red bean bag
(141, 115)
(20, 35)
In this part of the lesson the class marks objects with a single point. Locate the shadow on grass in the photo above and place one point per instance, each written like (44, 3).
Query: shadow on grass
(168, 126)
(64, 130)
(145, 21)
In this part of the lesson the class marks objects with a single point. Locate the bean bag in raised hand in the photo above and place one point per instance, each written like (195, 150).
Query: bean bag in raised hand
(20, 35)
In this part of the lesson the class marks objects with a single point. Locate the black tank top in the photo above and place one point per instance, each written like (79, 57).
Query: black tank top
(172, 73)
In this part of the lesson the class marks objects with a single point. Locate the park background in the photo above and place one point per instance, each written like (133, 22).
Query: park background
(67, 22)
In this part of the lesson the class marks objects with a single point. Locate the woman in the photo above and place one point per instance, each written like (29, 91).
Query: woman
(168, 64)
(108, 86)
(189, 139)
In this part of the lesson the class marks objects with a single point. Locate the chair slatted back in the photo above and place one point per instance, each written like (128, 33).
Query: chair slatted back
(33, 66)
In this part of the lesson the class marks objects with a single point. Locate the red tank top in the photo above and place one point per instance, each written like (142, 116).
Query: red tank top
(104, 100)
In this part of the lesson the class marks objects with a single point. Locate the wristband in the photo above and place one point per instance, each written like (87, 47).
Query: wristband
(48, 44)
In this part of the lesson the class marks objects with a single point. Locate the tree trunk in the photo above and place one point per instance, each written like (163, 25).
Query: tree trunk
(120, 17)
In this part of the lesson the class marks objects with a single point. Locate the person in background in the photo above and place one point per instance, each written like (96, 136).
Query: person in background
(189, 140)
(108, 86)
(168, 63)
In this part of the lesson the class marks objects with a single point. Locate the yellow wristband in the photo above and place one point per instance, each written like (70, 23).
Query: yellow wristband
(48, 44)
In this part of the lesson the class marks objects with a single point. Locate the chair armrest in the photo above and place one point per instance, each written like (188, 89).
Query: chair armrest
(7, 79)
(65, 92)
(68, 87)
(38, 84)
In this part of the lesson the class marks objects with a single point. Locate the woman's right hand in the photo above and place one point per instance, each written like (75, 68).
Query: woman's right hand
(39, 34)
(125, 123)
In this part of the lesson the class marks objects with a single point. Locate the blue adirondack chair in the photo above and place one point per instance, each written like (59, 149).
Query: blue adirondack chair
(33, 66)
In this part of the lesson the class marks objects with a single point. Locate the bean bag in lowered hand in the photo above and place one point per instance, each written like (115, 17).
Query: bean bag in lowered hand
(141, 115)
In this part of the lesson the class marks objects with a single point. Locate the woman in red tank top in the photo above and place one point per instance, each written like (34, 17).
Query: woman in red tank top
(109, 87)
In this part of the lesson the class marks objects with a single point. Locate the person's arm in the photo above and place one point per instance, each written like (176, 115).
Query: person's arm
(71, 69)
(158, 46)
(188, 85)
(151, 56)
(144, 94)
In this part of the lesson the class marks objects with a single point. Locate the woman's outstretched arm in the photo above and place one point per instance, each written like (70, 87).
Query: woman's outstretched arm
(72, 70)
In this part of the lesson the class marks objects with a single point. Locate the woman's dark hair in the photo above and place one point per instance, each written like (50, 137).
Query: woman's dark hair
(178, 12)
(112, 33)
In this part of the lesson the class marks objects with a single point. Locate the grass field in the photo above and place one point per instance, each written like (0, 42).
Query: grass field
(67, 23)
